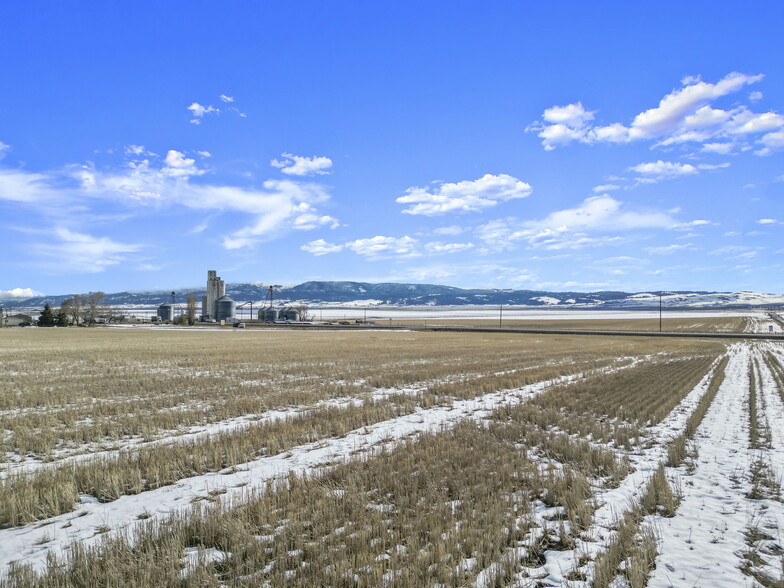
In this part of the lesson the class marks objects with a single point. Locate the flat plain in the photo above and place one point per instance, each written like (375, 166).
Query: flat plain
(155, 456)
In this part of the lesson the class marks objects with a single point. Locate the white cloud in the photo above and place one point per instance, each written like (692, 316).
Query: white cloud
(22, 186)
(768, 221)
(574, 228)
(664, 169)
(80, 252)
(656, 171)
(152, 267)
(756, 96)
(450, 230)
(294, 165)
(177, 165)
(309, 221)
(3, 148)
(572, 115)
(321, 247)
(383, 247)
(198, 111)
(138, 150)
(204, 153)
(605, 188)
(226, 98)
(669, 249)
(682, 116)
(278, 205)
(675, 108)
(720, 148)
(380, 247)
(19, 293)
(438, 248)
(771, 142)
(746, 255)
(729, 250)
(465, 196)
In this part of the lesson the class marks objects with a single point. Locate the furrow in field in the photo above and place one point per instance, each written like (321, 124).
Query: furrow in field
(704, 544)
(32, 543)
(562, 565)
(32, 464)
(90, 450)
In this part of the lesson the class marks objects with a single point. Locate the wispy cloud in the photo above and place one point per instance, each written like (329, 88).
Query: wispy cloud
(385, 247)
(198, 111)
(595, 222)
(73, 251)
(670, 249)
(277, 206)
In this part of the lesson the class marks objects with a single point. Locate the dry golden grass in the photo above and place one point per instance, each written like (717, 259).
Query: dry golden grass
(616, 407)
(670, 322)
(437, 509)
(68, 391)
(53, 490)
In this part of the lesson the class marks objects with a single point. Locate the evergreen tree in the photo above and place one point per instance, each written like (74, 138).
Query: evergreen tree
(47, 318)
(61, 320)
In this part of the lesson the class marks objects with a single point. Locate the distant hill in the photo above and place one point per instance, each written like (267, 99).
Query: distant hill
(394, 294)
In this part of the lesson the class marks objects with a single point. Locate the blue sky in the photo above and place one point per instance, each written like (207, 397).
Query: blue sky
(629, 146)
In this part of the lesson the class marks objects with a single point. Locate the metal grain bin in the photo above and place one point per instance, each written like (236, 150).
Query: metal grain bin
(268, 315)
(289, 314)
(166, 312)
(225, 309)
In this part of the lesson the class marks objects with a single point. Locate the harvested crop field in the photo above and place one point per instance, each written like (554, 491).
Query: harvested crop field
(388, 458)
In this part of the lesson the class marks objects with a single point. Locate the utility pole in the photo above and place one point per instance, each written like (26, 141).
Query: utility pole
(660, 311)
(500, 316)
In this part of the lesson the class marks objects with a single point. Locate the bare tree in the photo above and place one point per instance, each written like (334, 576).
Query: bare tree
(113, 315)
(92, 307)
(74, 308)
(304, 315)
(190, 308)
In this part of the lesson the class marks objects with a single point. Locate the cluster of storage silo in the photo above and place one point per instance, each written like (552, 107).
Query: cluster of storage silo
(274, 315)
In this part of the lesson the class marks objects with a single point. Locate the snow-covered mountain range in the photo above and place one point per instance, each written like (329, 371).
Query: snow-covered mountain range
(365, 294)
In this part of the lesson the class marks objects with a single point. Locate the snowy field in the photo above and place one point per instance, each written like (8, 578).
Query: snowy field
(512, 313)
(389, 458)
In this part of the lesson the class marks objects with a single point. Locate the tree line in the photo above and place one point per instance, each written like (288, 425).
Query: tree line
(81, 310)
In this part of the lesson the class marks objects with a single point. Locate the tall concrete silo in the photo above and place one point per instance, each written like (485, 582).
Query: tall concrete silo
(216, 289)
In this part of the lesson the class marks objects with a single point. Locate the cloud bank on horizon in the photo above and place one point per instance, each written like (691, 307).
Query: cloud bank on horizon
(620, 187)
